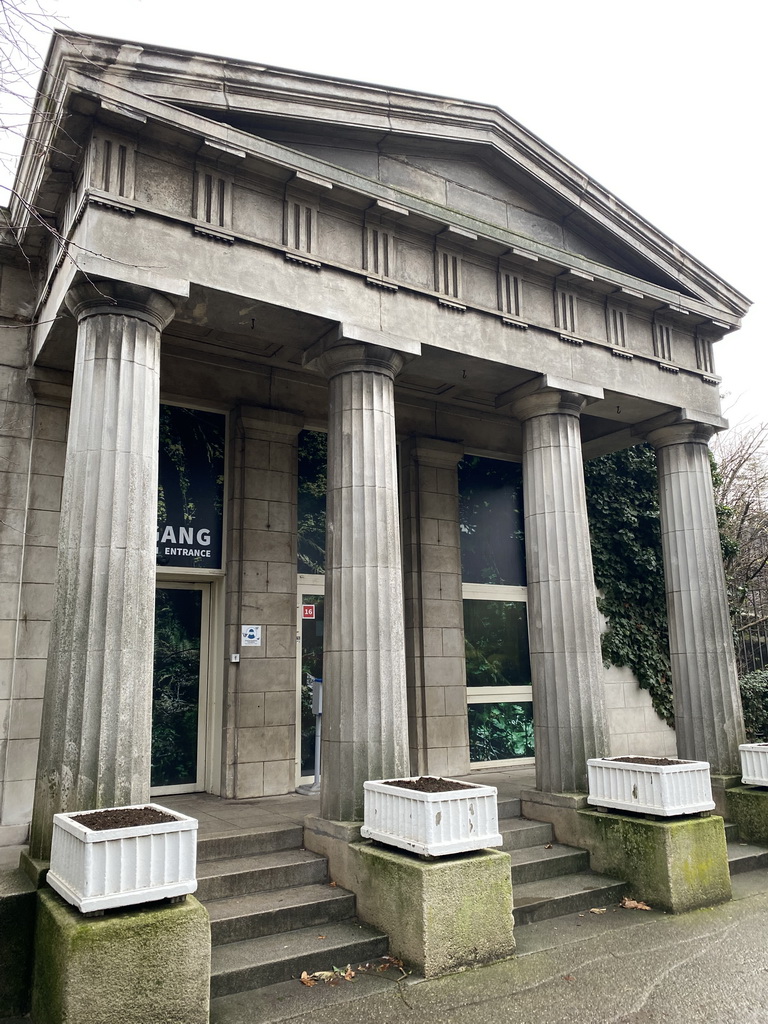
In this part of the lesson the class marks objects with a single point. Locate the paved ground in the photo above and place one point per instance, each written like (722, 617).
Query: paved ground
(621, 967)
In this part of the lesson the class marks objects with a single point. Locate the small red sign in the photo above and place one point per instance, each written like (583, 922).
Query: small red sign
(307, 611)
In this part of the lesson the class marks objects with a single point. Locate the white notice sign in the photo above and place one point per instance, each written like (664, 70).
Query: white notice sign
(250, 636)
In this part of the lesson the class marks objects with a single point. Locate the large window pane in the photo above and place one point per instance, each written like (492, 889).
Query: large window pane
(313, 463)
(500, 732)
(491, 521)
(496, 643)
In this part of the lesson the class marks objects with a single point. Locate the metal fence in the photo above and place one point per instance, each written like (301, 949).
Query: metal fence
(751, 632)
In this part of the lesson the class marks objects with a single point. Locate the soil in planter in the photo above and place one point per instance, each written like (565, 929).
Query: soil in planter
(429, 784)
(122, 817)
(648, 760)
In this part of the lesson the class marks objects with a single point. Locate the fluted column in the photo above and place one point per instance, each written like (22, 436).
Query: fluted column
(96, 728)
(365, 729)
(708, 717)
(564, 638)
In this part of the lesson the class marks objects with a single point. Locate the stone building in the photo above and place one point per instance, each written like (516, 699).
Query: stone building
(214, 273)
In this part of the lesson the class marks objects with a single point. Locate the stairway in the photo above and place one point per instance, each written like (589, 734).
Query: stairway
(548, 878)
(273, 913)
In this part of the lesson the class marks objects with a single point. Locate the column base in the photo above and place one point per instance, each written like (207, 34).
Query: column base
(720, 786)
(147, 966)
(748, 809)
(559, 809)
(673, 865)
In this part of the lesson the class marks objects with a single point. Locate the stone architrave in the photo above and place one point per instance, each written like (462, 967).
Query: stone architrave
(564, 637)
(365, 728)
(709, 723)
(96, 728)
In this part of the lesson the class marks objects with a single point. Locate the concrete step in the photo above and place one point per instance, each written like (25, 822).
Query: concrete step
(282, 910)
(519, 833)
(538, 862)
(248, 842)
(746, 857)
(254, 963)
(240, 875)
(546, 898)
(508, 807)
(731, 832)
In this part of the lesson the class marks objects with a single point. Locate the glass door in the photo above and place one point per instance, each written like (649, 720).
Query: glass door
(180, 684)
(309, 662)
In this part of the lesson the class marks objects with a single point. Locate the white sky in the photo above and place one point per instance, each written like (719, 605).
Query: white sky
(663, 103)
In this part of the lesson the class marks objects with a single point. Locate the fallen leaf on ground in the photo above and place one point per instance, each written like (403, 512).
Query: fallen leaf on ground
(568, 977)
(332, 885)
(630, 904)
(322, 936)
(598, 910)
(548, 846)
(307, 979)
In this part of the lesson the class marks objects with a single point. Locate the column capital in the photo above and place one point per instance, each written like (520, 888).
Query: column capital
(547, 394)
(348, 357)
(118, 298)
(680, 433)
(432, 451)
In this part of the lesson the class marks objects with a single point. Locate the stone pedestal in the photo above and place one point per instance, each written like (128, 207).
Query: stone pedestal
(747, 807)
(365, 730)
(708, 718)
(564, 636)
(672, 865)
(147, 966)
(440, 915)
(96, 727)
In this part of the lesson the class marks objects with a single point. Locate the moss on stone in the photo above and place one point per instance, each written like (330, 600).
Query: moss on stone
(441, 915)
(748, 808)
(674, 865)
(143, 966)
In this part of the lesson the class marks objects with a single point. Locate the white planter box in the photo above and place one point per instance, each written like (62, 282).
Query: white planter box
(754, 763)
(122, 866)
(432, 824)
(666, 790)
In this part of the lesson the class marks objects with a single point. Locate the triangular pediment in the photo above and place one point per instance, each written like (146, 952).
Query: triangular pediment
(446, 159)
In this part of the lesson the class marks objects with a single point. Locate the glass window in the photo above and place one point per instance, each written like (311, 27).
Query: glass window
(313, 473)
(500, 731)
(491, 521)
(190, 493)
(496, 643)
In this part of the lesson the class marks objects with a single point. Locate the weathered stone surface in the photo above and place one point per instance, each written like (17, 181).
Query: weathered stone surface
(365, 731)
(564, 636)
(674, 865)
(748, 807)
(147, 966)
(709, 723)
(441, 915)
(95, 738)
(17, 925)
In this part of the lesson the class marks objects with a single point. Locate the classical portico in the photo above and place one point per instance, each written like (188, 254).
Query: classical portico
(371, 361)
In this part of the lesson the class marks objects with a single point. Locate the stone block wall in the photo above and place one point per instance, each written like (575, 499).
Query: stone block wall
(434, 617)
(260, 705)
(634, 726)
(33, 425)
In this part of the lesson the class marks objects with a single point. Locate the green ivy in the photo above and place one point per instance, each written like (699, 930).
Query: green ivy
(623, 505)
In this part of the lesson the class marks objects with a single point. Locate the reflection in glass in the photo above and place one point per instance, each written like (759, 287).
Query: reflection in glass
(313, 472)
(499, 732)
(491, 521)
(176, 686)
(496, 643)
(311, 672)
